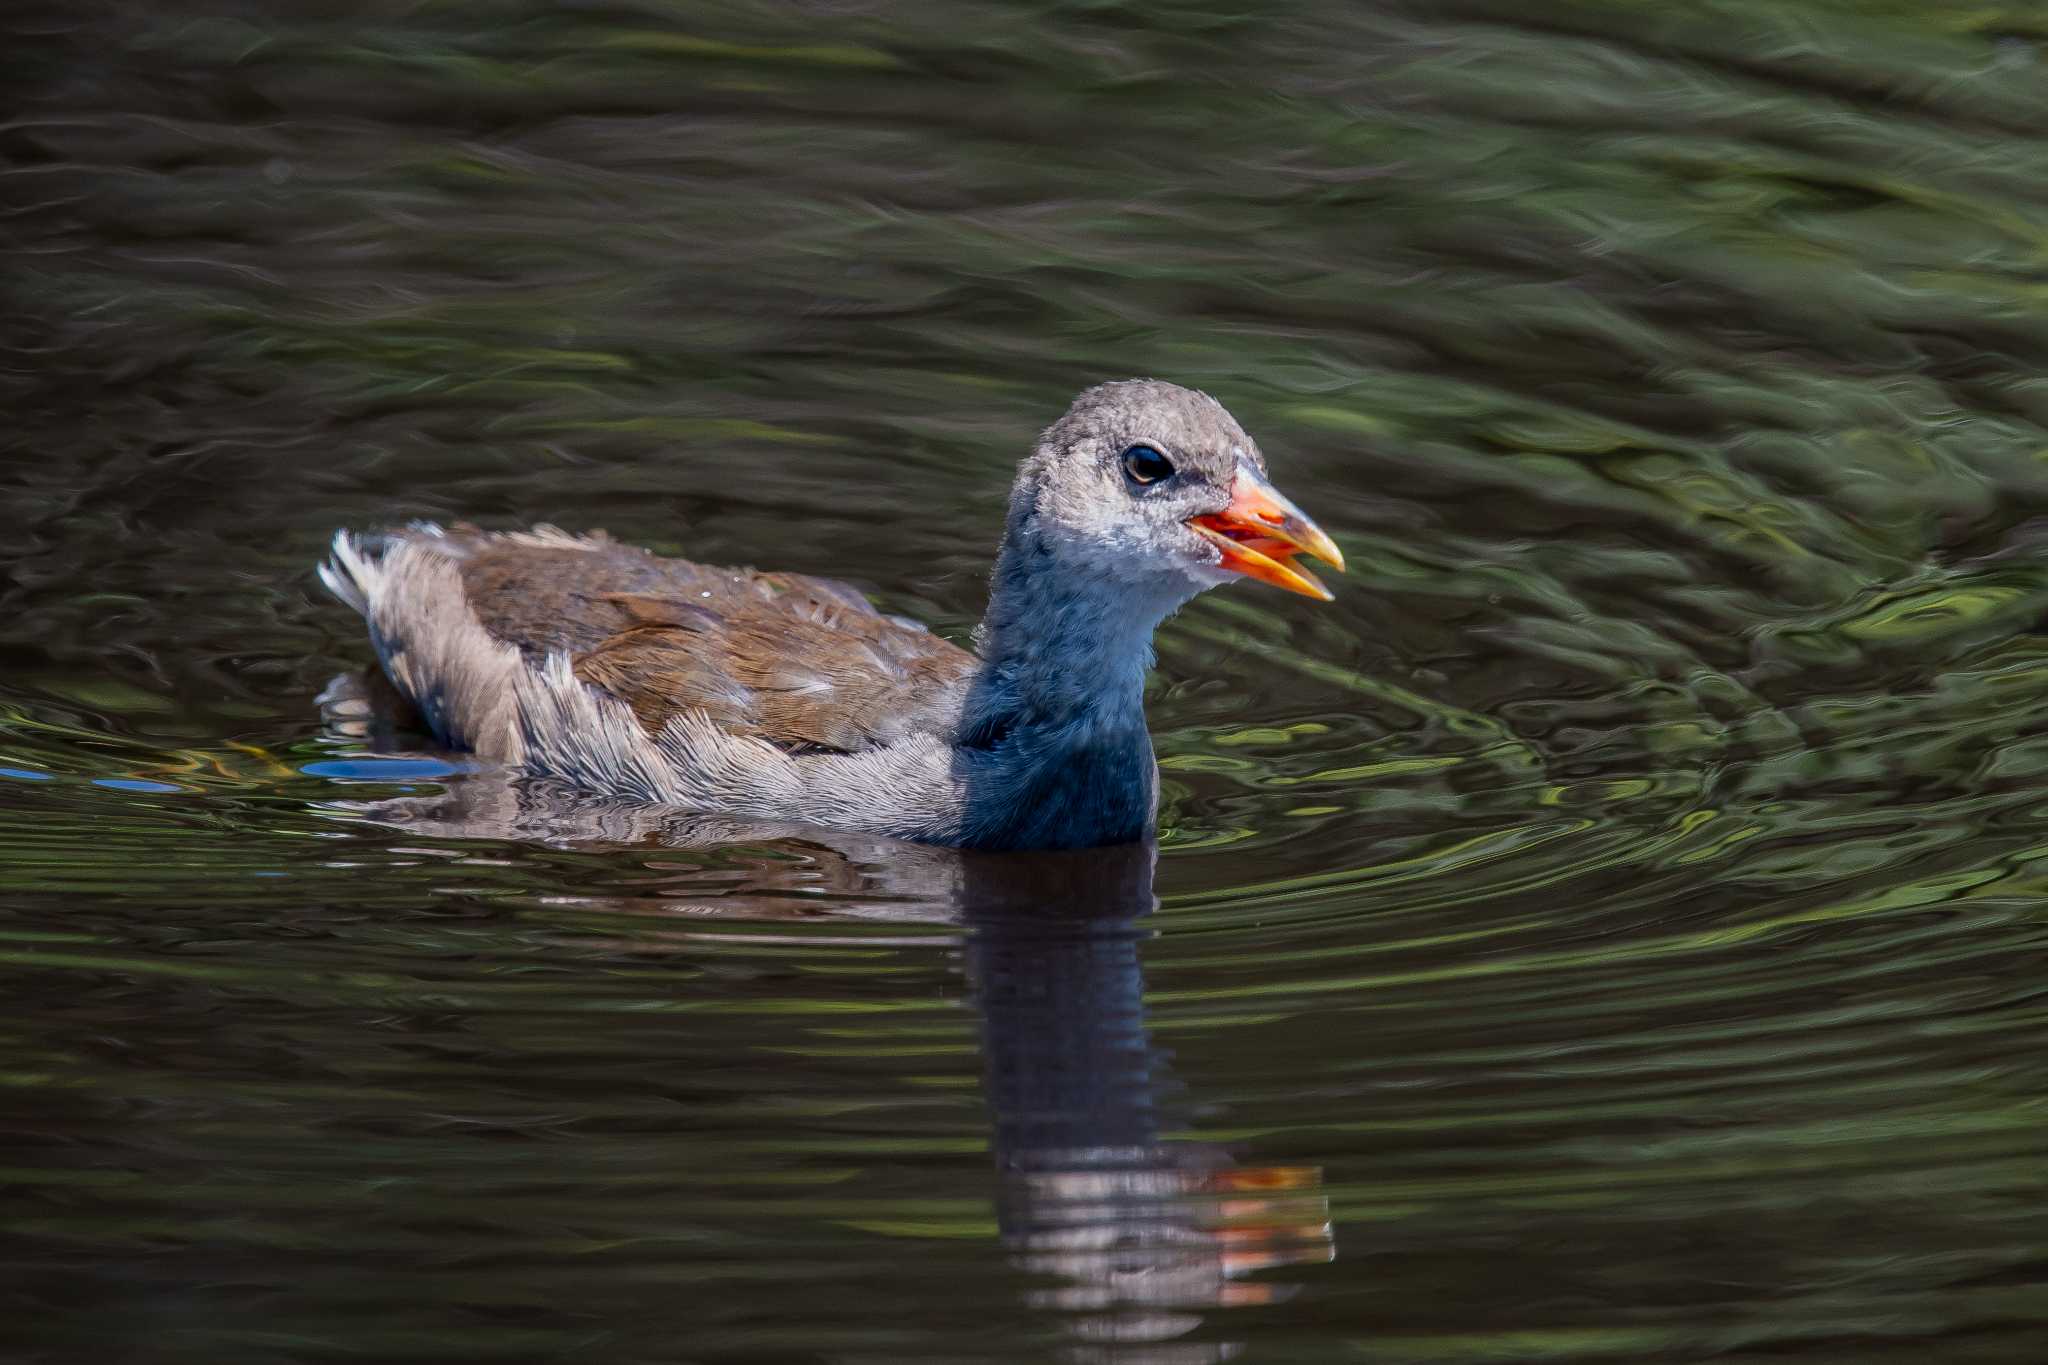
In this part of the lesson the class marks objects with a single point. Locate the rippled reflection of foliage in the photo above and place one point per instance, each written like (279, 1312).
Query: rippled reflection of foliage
(1672, 375)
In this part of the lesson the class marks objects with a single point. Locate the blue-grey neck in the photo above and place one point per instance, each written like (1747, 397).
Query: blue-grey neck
(1053, 736)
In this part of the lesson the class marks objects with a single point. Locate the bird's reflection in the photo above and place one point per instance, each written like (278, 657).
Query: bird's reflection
(1132, 1238)
(1138, 1234)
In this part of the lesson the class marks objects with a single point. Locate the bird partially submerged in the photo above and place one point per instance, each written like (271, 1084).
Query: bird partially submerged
(782, 697)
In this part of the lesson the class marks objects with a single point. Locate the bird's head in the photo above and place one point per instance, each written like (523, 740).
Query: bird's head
(1157, 489)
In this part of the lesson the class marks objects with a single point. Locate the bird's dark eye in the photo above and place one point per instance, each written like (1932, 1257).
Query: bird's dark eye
(1146, 465)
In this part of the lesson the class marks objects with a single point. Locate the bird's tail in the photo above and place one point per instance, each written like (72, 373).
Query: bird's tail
(349, 572)
(354, 569)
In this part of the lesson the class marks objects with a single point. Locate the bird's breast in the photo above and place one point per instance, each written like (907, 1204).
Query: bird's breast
(1097, 788)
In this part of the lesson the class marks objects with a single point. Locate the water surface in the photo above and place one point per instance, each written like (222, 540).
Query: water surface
(1612, 931)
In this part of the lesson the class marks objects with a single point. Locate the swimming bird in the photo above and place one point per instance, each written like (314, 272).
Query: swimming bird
(782, 697)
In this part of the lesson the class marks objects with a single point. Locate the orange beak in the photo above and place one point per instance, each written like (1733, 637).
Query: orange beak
(1261, 532)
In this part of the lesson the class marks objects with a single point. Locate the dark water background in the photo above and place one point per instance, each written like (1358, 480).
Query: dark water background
(1612, 931)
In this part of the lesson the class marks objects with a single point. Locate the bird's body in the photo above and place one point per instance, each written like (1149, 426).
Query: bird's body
(785, 697)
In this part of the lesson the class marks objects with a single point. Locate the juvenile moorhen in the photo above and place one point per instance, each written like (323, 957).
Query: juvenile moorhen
(781, 697)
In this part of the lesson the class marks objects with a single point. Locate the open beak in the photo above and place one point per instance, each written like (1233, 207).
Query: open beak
(1261, 532)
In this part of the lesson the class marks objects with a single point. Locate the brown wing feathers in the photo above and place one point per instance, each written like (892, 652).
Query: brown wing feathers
(805, 663)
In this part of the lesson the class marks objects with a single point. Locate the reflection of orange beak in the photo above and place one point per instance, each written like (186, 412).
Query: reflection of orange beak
(1261, 532)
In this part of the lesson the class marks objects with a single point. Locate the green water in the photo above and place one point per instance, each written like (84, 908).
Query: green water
(1612, 931)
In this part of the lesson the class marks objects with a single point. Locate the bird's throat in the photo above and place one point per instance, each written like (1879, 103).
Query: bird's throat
(1055, 720)
(1062, 652)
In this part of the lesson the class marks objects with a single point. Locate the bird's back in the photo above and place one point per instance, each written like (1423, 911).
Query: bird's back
(805, 664)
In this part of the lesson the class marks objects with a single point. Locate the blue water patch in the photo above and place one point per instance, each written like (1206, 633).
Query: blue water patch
(381, 769)
(134, 784)
(28, 774)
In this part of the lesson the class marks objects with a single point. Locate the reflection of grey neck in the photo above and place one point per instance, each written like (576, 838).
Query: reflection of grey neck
(1072, 1079)
(1053, 958)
